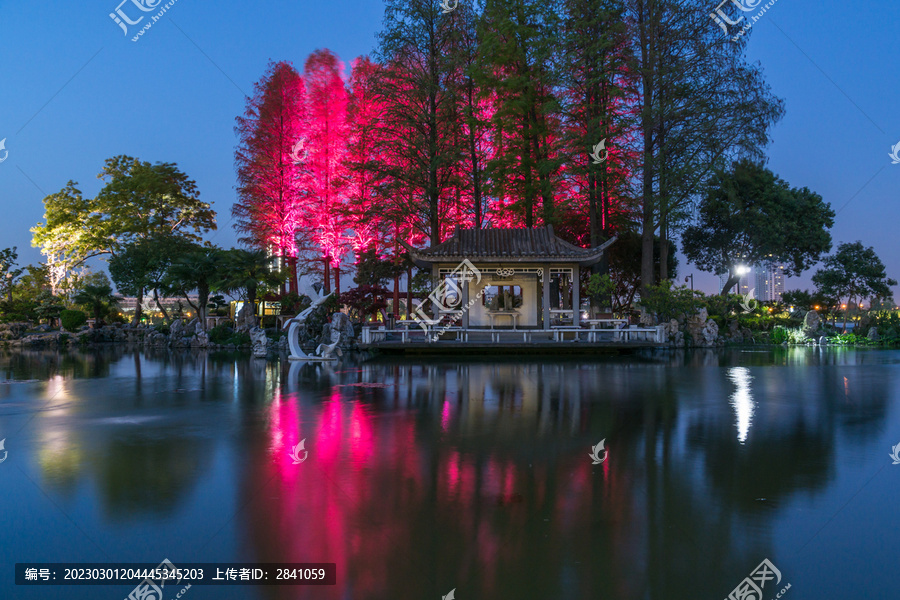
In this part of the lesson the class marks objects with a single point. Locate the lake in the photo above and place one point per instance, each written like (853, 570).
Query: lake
(418, 477)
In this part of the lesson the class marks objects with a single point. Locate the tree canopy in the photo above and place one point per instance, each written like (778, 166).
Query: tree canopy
(854, 272)
(139, 200)
(750, 216)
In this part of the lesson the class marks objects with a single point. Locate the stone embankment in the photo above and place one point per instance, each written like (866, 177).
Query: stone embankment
(188, 335)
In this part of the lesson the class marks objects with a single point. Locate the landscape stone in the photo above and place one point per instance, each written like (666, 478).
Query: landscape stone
(259, 342)
(811, 323)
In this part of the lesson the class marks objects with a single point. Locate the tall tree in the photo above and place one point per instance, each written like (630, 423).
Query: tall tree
(418, 151)
(700, 105)
(365, 190)
(473, 111)
(750, 216)
(598, 95)
(272, 134)
(324, 182)
(516, 67)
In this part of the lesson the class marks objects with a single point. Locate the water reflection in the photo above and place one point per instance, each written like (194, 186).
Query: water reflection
(432, 475)
(741, 400)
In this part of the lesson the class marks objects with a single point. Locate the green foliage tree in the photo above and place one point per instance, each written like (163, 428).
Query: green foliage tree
(804, 300)
(597, 83)
(516, 67)
(142, 266)
(8, 272)
(48, 307)
(854, 273)
(624, 278)
(364, 300)
(72, 320)
(249, 272)
(98, 299)
(668, 302)
(200, 270)
(417, 150)
(217, 304)
(750, 216)
(373, 270)
(139, 200)
(700, 104)
(36, 279)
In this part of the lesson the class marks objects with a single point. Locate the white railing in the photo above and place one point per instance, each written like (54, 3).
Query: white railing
(563, 333)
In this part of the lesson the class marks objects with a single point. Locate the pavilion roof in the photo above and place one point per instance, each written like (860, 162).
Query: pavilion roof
(538, 244)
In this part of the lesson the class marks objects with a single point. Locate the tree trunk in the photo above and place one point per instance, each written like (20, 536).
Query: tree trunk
(251, 299)
(139, 308)
(409, 297)
(337, 279)
(161, 307)
(293, 286)
(732, 280)
(202, 301)
(646, 27)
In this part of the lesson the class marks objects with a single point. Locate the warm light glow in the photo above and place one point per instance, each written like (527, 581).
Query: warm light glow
(843, 306)
(817, 308)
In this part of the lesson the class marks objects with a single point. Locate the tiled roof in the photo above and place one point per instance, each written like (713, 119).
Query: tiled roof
(539, 244)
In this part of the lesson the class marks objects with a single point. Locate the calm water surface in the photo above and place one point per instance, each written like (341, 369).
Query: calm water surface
(427, 476)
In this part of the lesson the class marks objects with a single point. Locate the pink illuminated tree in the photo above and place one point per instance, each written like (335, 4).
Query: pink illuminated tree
(366, 189)
(323, 181)
(268, 212)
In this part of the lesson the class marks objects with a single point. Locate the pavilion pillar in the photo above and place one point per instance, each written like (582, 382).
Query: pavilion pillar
(435, 278)
(576, 292)
(465, 301)
(545, 290)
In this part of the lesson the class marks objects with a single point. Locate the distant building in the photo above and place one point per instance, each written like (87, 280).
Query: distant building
(766, 282)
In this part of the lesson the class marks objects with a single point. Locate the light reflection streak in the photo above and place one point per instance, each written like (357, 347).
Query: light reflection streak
(742, 400)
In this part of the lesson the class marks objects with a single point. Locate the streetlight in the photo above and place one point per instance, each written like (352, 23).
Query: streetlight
(9, 285)
(691, 277)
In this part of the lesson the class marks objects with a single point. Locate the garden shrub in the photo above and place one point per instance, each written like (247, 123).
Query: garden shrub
(220, 334)
(240, 339)
(779, 335)
(669, 303)
(72, 320)
(796, 336)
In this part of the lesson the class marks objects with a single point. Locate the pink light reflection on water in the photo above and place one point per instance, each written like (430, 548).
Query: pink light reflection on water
(445, 416)
(328, 437)
(284, 431)
(362, 439)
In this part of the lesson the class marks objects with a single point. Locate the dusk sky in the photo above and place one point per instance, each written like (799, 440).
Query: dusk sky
(76, 90)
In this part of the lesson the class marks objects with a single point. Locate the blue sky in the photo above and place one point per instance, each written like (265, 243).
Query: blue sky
(74, 90)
